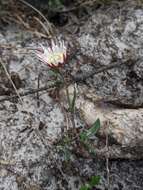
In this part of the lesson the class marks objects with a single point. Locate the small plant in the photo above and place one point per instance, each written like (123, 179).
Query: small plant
(55, 56)
(86, 135)
(94, 180)
(64, 148)
(65, 145)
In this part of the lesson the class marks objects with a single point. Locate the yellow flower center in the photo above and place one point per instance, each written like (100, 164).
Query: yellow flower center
(55, 58)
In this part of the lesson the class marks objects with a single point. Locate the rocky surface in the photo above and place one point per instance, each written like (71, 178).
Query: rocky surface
(114, 36)
(124, 127)
(115, 95)
(28, 157)
(27, 130)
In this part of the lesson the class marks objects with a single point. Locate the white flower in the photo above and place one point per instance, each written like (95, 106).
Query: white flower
(54, 55)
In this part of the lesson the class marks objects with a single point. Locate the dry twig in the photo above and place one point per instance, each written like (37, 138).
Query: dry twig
(49, 29)
(107, 160)
(82, 77)
(33, 91)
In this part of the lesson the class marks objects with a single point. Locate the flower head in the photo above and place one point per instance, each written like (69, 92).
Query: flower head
(54, 55)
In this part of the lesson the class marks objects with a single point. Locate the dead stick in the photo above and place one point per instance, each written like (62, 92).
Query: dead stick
(83, 77)
(107, 159)
(33, 91)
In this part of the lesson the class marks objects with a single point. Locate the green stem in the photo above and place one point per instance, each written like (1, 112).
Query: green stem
(68, 99)
(66, 86)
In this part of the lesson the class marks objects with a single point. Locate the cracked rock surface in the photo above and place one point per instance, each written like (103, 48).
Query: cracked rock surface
(114, 37)
(28, 161)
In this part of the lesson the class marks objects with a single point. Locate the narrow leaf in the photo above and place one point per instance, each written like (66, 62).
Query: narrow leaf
(94, 180)
(72, 106)
(93, 130)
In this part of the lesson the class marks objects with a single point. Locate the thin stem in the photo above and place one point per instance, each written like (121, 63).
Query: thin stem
(33, 91)
(72, 116)
(66, 86)
(107, 161)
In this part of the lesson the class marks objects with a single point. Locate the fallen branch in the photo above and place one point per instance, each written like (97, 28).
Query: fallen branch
(33, 91)
(83, 76)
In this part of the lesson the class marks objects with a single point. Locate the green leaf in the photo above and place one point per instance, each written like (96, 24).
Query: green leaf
(85, 187)
(84, 136)
(94, 180)
(67, 154)
(92, 183)
(90, 148)
(93, 130)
